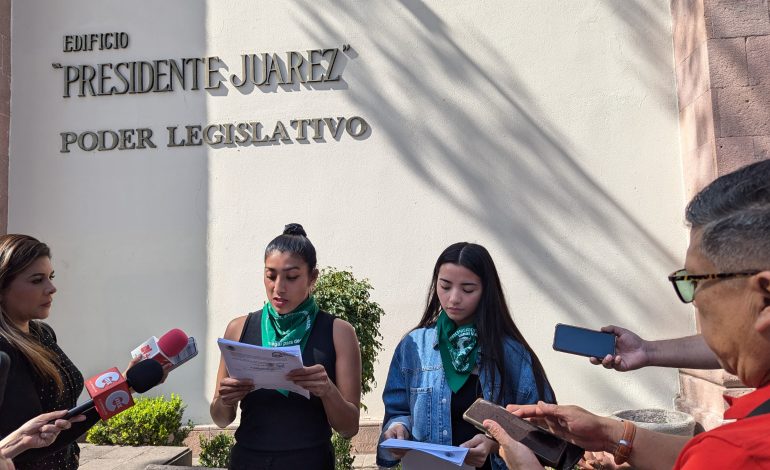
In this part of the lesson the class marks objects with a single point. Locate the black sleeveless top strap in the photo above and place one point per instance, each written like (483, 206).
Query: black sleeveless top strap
(273, 422)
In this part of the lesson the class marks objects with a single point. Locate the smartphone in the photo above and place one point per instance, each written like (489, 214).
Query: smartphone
(583, 342)
(5, 366)
(550, 450)
(189, 352)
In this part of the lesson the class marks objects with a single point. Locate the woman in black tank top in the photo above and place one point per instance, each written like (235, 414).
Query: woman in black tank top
(279, 429)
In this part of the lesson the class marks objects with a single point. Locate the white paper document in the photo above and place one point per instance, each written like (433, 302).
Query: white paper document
(427, 456)
(266, 367)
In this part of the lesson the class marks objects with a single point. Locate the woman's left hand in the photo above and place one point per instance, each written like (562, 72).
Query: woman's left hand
(313, 379)
(479, 447)
(40, 431)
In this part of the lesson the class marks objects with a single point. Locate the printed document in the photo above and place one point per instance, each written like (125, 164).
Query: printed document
(427, 456)
(266, 367)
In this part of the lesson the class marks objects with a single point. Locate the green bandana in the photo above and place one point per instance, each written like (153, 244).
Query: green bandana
(289, 329)
(459, 348)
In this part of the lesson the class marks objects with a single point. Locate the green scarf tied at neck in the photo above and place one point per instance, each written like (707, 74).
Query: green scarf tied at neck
(459, 349)
(289, 329)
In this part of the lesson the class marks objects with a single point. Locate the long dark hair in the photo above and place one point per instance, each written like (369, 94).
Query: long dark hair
(17, 253)
(493, 319)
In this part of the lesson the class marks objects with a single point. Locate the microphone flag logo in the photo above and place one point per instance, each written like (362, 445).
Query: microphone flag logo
(110, 393)
(106, 379)
(118, 400)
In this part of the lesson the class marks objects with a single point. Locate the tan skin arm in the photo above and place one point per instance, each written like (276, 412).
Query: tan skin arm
(228, 391)
(341, 402)
(651, 450)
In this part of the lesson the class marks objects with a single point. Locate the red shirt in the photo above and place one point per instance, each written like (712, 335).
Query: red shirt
(742, 444)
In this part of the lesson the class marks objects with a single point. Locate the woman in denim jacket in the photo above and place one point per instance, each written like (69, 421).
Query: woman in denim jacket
(465, 346)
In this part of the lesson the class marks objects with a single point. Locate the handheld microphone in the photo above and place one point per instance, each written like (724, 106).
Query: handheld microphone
(164, 348)
(110, 392)
(5, 366)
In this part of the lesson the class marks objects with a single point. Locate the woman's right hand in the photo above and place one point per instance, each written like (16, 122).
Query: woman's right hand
(231, 390)
(40, 431)
(397, 431)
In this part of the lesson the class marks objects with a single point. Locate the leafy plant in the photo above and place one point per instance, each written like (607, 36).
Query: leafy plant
(150, 422)
(341, 294)
(342, 458)
(215, 452)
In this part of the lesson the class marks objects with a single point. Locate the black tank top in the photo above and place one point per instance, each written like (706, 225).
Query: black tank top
(273, 422)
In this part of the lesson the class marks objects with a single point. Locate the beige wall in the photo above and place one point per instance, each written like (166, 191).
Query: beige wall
(547, 132)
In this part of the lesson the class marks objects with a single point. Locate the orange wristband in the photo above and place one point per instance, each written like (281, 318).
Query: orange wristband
(625, 444)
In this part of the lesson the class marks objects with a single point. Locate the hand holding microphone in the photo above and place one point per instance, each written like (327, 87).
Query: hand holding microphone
(163, 349)
(40, 431)
(111, 393)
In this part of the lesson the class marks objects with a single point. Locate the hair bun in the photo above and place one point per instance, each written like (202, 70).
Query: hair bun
(294, 229)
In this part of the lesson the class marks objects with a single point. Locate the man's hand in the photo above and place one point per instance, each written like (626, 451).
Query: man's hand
(573, 423)
(630, 351)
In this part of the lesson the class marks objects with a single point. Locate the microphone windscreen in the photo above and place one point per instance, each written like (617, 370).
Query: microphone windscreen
(144, 375)
(5, 366)
(173, 342)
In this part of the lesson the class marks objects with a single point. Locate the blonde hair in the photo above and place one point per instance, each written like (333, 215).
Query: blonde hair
(17, 253)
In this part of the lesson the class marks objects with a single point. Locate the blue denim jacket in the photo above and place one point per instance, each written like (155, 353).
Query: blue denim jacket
(418, 396)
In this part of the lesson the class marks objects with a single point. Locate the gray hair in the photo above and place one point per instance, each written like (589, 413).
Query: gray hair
(746, 188)
(739, 242)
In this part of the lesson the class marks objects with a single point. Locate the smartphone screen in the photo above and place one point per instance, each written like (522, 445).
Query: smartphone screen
(550, 450)
(583, 342)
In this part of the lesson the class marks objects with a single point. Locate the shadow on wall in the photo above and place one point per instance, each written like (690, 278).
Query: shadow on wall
(521, 181)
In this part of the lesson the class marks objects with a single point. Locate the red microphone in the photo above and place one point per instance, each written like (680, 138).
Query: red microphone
(163, 348)
(111, 392)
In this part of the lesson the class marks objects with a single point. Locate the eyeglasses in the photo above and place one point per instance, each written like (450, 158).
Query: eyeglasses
(685, 284)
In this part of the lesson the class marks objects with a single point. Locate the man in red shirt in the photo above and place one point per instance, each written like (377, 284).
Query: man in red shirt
(727, 276)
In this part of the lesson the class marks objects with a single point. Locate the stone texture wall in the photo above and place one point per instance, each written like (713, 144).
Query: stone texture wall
(722, 61)
(5, 107)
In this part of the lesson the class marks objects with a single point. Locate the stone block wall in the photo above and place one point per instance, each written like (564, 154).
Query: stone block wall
(722, 64)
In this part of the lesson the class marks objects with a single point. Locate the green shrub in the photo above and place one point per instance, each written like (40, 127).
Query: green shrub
(215, 452)
(342, 458)
(341, 294)
(150, 422)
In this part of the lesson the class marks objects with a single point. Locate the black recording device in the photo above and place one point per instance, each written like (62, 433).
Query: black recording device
(550, 450)
(583, 342)
(5, 366)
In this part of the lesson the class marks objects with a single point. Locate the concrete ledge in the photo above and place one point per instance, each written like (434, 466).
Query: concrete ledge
(175, 467)
(365, 442)
(93, 457)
